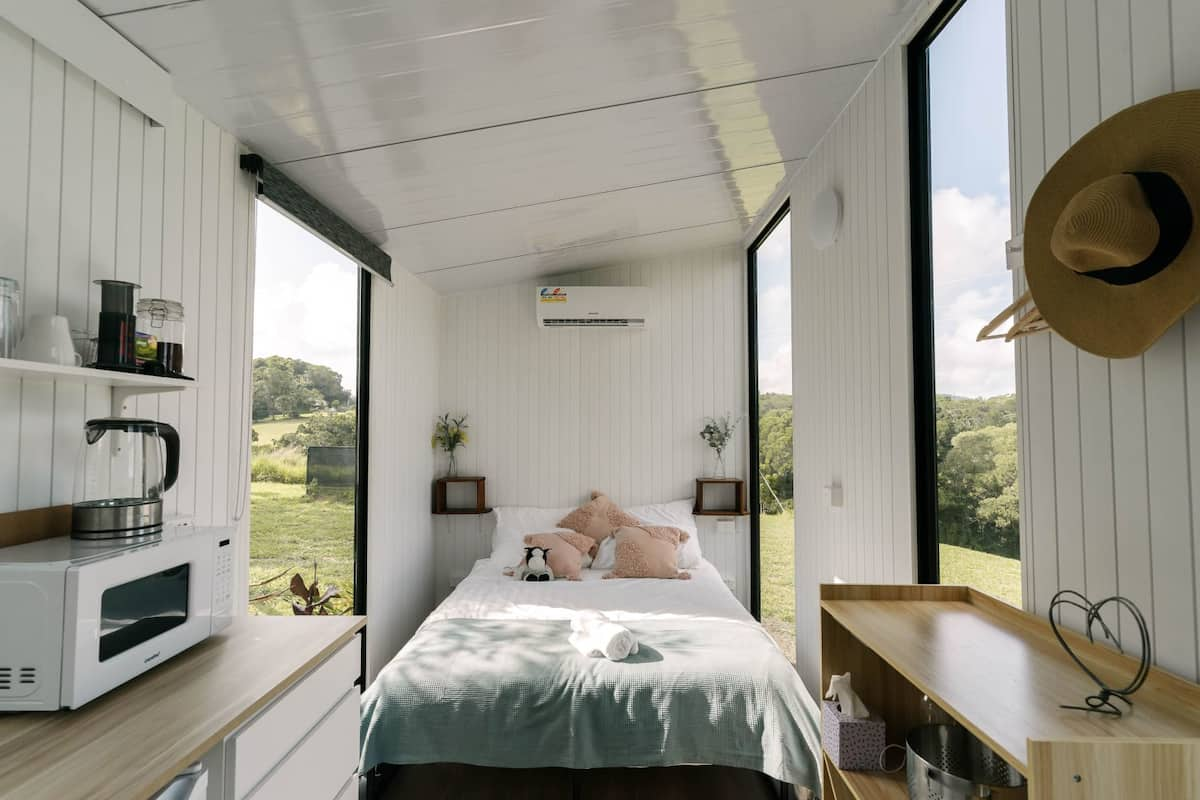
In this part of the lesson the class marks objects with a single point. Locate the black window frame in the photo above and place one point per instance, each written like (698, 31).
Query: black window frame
(362, 389)
(921, 236)
(752, 376)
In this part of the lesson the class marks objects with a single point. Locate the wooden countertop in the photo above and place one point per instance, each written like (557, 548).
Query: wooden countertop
(134, 740)
(1002, 673)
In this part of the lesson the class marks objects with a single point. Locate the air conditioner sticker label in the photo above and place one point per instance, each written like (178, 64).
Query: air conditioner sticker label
(555, 295)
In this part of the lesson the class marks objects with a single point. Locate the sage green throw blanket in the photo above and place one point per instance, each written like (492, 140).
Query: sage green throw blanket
(515, 693)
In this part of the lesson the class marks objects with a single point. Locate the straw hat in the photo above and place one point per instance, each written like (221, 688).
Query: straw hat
(1112, 245)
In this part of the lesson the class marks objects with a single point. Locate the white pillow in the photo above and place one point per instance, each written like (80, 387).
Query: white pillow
(513, 522)
(677, 514)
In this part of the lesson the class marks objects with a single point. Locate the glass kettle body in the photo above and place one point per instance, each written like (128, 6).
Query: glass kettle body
(125, 466)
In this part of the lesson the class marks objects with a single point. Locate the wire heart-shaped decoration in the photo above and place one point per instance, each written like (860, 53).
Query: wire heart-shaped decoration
(1102, 700)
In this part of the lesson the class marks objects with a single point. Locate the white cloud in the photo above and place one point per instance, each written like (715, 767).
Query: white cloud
(775, 340)
(971, 284)
(306, 297)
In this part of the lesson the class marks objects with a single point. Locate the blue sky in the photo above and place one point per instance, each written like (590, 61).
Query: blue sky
(968, 75)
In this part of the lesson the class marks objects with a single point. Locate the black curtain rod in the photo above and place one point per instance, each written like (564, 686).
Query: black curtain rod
(289, 197)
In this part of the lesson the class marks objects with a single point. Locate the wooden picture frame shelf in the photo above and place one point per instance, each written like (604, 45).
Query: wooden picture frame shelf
(999, 672)
(442, 500)
(707, 506)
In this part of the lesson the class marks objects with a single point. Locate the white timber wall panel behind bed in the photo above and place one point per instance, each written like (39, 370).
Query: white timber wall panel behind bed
(1110, 450)
(852, 358)
(89, 189)
(403, 405)
(557, 413)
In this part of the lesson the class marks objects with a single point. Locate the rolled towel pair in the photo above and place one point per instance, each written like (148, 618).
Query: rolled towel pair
(595, 635)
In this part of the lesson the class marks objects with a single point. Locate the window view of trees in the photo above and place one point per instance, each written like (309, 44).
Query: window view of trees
(977, 473)
(975, 407)
(772, 265)
(303, 459)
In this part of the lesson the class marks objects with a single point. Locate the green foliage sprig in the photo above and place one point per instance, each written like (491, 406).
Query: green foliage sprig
(450, 433)
(718, 431)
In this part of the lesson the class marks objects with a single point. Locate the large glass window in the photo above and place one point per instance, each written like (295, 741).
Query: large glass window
(966, 403)
(304, 482)
(770, 263)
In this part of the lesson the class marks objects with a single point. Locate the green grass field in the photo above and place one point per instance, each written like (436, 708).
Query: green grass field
(271, 429)
(778, 579)
(288, 532)
(996, 575)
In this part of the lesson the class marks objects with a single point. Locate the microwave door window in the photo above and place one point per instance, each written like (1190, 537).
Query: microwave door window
(137, 611)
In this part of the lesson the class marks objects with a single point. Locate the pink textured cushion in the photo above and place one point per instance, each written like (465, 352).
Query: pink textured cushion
(565, 551)
(597, 518)
(647, 552)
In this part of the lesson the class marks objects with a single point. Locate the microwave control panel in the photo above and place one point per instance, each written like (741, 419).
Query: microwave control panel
(222, 601)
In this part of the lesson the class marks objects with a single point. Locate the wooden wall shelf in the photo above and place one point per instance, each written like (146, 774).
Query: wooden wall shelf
(1000, 672)
(708, 504)
(443, 503)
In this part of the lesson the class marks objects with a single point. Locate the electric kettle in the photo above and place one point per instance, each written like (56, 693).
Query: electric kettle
(124, 467)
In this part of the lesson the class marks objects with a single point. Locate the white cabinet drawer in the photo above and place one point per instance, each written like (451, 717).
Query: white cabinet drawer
(320, 764)
(263, 742)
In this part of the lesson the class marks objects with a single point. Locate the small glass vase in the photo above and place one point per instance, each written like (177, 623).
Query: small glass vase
(451, 465)
(719, 464)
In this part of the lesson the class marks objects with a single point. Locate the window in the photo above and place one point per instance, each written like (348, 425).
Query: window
(307, 505)
(967, 507)
(773, 585)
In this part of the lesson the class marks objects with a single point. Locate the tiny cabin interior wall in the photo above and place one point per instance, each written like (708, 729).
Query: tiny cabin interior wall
(852, 358)
(405, 364)
(556, 413)
(90, 189)
(1110, 450)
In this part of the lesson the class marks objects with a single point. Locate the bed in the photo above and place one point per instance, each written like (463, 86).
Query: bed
(490, 681)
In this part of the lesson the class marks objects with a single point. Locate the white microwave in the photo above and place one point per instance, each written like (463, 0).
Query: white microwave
(80, 618)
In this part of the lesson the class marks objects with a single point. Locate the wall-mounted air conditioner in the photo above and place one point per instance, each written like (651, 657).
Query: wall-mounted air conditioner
(593, 306)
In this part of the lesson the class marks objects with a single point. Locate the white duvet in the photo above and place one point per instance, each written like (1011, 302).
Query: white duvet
(488, 594)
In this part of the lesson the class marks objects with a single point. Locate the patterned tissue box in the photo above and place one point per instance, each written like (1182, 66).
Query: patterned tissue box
(851, 743)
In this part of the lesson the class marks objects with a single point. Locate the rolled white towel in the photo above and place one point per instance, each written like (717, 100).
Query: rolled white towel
(594, 635)
(585, 619)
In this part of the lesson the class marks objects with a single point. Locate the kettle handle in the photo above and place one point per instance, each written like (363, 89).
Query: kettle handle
(170, 438)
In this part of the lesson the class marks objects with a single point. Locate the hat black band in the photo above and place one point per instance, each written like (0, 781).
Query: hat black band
(1170, 207)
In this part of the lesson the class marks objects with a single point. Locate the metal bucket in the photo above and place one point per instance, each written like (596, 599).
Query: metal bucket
(945, 762)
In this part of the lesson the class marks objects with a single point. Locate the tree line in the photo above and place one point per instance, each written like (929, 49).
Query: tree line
(291, 387)
(976, 468)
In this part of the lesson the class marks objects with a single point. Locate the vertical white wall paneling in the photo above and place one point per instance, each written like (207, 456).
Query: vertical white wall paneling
(852, 357)
(89, 190)
(1108, 447)
(405, 374)
(16, 67)
(74, 256)
(555, 414)
(41, 264)
(172, 261)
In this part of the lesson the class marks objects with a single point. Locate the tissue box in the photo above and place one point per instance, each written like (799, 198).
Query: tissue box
(852, 743)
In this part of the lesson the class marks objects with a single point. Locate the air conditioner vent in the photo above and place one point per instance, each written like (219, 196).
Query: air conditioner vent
(18, 681)
(594, 306)
(593, 322)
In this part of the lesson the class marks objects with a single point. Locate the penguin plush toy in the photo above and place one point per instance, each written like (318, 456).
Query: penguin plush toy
(536, 566)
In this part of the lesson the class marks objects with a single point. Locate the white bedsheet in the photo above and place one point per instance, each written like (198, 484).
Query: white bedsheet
(486, 593)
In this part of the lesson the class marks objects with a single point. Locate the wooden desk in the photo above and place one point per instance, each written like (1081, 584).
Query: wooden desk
(1001, 673)
(134, 740)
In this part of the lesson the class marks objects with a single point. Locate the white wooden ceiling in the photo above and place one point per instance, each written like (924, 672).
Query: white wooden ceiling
(483, 142)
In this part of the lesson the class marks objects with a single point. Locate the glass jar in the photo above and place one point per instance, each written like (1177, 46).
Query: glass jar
(10, 317)
(160, 333)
